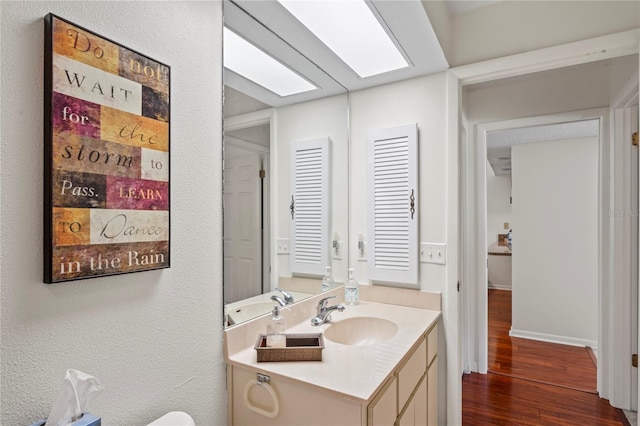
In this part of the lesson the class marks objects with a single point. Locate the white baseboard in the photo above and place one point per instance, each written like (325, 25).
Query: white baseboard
(551, 338)
(499, 287)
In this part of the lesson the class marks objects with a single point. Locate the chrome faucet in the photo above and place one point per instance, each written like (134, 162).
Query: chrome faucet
(287, 297)
(323, 313)
(279, 300)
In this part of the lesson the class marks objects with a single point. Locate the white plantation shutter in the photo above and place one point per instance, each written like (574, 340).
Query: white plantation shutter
(393, 205)
(309, 232)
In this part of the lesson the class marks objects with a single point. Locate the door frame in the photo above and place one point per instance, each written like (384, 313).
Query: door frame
(243, 121)
(239, 287)
(478, 306)
(625, 245)
(595, 49)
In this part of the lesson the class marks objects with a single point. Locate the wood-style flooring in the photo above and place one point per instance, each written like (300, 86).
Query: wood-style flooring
(531, 382)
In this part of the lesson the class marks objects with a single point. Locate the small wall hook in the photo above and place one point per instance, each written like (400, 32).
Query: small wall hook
(292, 207)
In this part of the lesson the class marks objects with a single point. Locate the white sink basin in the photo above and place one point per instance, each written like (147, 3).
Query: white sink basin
(247, 312)
(359, 331)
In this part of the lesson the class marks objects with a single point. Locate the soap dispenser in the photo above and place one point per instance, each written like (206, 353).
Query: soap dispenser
(276, 328)
(327, 280)
(351, 290)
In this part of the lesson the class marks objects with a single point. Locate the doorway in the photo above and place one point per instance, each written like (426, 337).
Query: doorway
(542, 184)
(540, 88)
(542, 234)
(246, 203)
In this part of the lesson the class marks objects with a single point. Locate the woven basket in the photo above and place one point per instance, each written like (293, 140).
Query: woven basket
(299, 347)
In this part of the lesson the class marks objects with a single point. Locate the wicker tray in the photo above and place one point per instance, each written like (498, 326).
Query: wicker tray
(300, 347)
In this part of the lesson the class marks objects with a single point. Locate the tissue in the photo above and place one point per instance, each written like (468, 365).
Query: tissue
(76, 392)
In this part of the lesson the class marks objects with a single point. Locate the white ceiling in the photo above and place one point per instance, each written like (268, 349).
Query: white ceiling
(269, 26)
(457, 7)
(257, 134)
(499, 142)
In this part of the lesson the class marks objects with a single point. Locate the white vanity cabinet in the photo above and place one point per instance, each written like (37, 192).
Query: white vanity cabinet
(407, 398)
(385, 380)
(415, 383)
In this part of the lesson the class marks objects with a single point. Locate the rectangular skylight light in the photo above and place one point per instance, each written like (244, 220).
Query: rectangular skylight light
(350, 29)
(245, 59)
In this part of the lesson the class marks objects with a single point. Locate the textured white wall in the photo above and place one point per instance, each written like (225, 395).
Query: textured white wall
(153, 339)
(310, 120)
(498, 206)
(555, 239)
(423, 101)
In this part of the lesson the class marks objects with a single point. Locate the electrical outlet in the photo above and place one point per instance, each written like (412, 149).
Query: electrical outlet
(433, 253)
(506, 225)
(282, 245)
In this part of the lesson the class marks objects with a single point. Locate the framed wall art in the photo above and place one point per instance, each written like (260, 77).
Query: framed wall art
(106, 152)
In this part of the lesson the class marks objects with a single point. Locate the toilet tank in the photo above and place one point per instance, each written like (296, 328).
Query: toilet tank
(174, 418)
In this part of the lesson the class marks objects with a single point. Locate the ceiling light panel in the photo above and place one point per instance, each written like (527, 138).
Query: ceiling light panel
(351, 30)
(245, 59)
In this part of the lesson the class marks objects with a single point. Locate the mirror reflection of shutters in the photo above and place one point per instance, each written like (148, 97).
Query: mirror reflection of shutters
(392, 207)
(309, 246)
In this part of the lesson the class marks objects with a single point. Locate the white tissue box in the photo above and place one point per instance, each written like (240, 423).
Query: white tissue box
(87, 419)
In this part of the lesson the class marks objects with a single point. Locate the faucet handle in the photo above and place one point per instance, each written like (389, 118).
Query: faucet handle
(322, 303)
(287, 297)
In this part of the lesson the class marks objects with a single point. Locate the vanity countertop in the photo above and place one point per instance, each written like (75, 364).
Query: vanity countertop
(354, 372)
(497, 249)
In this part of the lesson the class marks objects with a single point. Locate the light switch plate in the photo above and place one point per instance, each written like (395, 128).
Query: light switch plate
(337, 250)
(282, 245)
(433, 253)
(362, 254)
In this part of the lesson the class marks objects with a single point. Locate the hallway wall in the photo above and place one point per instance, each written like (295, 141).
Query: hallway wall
(555, 241)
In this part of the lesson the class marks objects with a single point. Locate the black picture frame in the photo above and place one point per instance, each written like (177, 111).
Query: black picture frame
(106, 156)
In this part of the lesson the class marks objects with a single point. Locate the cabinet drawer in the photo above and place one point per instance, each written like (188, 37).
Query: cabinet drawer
(411, 373)
(432, 344)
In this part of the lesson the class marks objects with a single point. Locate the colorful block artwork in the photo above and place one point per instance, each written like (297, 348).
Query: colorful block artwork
(107, 134)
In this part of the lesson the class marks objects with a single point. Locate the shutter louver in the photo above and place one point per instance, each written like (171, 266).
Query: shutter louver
(392, 225)
(308, 205)
(310, 223)
(391, 228)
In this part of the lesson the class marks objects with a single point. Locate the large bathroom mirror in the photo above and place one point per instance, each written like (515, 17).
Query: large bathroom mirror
(260, 127)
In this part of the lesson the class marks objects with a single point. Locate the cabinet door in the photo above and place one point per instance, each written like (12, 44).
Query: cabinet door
(384, 410)
(298, 404)
(421, 405)
(432, 393)
(416, 412)
(408, 418)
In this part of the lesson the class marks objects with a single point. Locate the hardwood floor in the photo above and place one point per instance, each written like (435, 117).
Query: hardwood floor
(562, 365)
(532, 383)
